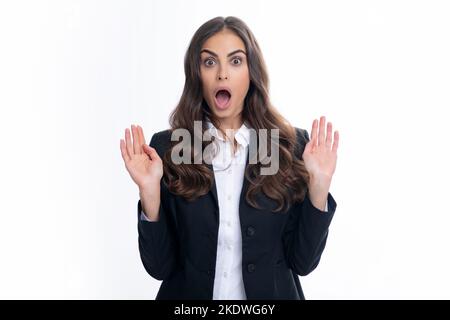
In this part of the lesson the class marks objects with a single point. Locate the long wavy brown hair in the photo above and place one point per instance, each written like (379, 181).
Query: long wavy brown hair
(190, 181)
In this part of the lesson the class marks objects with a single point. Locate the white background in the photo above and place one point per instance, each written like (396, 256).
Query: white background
(75, 74)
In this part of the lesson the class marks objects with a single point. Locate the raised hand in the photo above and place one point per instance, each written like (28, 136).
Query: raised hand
(320, 156)
(142, 161)
(320, 152)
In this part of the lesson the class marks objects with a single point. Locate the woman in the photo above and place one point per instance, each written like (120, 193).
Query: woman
(215, 227)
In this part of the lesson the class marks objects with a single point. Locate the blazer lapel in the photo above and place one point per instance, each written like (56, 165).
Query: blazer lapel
(213, 191)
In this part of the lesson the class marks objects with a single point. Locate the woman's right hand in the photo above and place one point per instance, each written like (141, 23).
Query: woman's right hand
(142, 161)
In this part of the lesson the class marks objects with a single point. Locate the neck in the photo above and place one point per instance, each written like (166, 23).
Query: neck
(231, 123)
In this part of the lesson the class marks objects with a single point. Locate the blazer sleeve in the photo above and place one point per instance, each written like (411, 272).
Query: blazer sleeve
(306, 231)
(157, 239)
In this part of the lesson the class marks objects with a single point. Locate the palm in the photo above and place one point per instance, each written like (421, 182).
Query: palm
(143, 170)
(142, 162)
(320, 153)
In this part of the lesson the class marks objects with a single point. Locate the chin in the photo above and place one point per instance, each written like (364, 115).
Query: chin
(223, 113)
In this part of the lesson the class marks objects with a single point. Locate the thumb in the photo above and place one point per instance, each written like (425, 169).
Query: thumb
(308, 147)
(151, 152)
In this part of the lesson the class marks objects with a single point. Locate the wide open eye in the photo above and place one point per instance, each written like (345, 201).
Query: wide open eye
(206, 62)
(237, 59)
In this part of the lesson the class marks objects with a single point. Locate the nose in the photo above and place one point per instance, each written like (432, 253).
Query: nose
(222, 74)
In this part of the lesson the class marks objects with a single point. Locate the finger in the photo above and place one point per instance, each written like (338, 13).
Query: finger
(151, 152)
(329, 137)
(308, 147)
(314, 132)
(141, 134)
(123, 150)
(128, 143)
(336, 141)
(321, 131)
(139, 139)
(136, 147)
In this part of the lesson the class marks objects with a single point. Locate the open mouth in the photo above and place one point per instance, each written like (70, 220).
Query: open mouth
(223, 98)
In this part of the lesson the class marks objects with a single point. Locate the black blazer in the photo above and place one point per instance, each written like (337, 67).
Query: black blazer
(181, 247)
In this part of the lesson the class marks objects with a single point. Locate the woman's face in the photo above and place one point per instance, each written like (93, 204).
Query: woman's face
(223, 65)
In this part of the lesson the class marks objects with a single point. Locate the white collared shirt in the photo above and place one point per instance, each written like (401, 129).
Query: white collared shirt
(229, 176)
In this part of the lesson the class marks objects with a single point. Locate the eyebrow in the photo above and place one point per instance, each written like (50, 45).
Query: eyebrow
(230, 54)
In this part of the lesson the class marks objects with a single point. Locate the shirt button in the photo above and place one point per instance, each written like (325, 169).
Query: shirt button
(229, 171)
(251, 267)
(229, 197)
(230, 246)
(250, 231)
(229, 223)
(224, 274)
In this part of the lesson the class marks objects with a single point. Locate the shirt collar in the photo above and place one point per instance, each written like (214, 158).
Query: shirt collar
(242, 135)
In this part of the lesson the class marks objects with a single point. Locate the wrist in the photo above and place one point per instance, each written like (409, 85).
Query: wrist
(150, 202)
(150, 186)
(319, 181)
(318, 189)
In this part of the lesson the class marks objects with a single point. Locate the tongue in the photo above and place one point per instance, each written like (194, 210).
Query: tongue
(222, 98)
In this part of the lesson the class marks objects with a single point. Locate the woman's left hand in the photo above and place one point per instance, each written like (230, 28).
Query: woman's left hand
(320, 155)
(320, 152)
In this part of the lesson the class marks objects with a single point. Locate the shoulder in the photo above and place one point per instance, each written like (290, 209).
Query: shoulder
(302, 140)
(162, 135)
(302, 135)
(161, 141)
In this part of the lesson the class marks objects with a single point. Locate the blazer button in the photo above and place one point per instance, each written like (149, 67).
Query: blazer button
(250, 231)
(251, 267)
